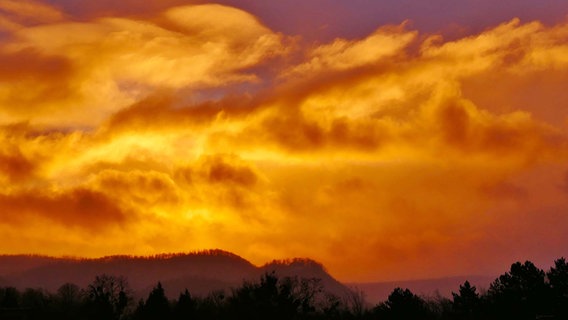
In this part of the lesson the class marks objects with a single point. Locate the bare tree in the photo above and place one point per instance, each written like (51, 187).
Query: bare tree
(109, 295)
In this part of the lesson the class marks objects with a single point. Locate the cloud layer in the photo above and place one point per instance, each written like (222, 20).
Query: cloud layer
(397, 155)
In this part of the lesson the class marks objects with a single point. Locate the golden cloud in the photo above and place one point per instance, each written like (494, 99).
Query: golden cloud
(110, 63)
(73, 208)
(341, 54)
(17, 13)
(380, 153)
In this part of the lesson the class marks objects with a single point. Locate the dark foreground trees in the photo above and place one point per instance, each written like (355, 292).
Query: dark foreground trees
(523, 292)
(466, 304)
(274, 298)
(558, 281)
(107, 297)
(403, 304)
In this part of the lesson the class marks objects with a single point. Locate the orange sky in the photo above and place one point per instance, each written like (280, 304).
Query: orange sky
(396, 155)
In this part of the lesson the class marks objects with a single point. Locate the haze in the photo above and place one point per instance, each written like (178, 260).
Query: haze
(387, 140)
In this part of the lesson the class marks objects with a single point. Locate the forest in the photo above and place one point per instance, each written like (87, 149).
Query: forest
(523, 292)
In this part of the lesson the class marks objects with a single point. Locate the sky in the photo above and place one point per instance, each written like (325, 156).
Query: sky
(388, 140)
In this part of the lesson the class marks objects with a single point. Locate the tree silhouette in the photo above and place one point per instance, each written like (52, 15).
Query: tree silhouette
(107, 297)
(274, 298)
(68, 301)
(138, 313)
(212, 306)
(157, 305)
(521, 293)
(466, 303)
(558, 279)
(69, 294)
(35, 302)
(403, 304)
(9, 298)
(185, 306)
(357, 303)
(524, 292)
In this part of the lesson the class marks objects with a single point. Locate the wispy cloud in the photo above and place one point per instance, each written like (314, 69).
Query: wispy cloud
(373, 155)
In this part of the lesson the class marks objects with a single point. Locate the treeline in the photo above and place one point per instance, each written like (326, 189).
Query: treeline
(166, 256)
(160, 256)
(524, 292)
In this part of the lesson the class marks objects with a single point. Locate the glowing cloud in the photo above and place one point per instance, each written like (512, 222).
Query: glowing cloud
(83, 72)
(397, 155)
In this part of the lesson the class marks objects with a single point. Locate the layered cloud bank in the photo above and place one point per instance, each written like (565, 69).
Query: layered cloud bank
(397, 155)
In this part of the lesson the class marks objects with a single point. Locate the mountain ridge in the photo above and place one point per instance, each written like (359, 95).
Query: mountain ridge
(202, 272)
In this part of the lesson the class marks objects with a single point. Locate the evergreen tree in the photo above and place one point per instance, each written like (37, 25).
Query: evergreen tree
(521, 293)
(9, 298)
(466, 303)
(157, 305)
(402, 304)
(274, 298)
(558, 279)
(185, 306)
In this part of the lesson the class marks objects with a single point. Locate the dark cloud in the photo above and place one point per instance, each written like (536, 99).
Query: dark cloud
(31, 65)
(141, 188)
(179, 121)
(15, 165)
(504, 190)
(82, 208)
(34, 78)
(296, 133)
(228, 170)
(455, 124)
(469, 129)
(163, 110)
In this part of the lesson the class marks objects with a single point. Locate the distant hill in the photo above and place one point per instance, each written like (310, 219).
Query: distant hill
(18, 263)
(201, 272)
(306, 268)
(376, 292)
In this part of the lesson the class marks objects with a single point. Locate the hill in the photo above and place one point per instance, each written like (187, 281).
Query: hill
(201, 272)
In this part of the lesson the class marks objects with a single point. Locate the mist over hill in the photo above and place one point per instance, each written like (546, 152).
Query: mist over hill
(217, 284)
(201, 272)
(376, 292)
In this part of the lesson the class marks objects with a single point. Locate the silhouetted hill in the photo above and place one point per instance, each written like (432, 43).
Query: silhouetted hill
(201, 272)
(306, 268)
(10, 264)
